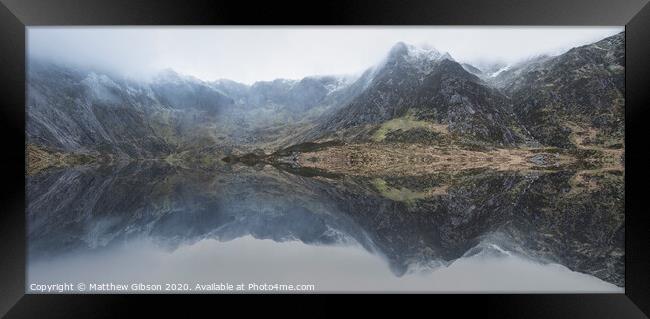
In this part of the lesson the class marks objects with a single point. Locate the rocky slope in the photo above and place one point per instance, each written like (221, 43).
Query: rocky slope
(580, 90)
(75, 111)
(430, 86)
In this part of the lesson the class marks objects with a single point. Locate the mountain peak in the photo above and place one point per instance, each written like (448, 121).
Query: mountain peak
(171, 76)
(417, 53)
(399, 49)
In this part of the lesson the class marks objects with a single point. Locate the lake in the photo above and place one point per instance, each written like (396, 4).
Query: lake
(152, 223)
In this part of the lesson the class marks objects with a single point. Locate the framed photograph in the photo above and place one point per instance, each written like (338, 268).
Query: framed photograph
(483, 153)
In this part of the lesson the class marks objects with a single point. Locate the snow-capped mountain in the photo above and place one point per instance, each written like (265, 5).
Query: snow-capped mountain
(73, 109)
(431, 86)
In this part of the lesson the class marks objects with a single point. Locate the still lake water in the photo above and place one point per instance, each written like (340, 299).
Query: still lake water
(471, 231)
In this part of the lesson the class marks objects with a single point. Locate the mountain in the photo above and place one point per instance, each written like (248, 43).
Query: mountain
(83, 110)
(509, 73)
(77, 111)
(578, 94)
(296, 97)
(430, 86)
(471, 69)
(415, 95)
(273, 114)
(188, 93)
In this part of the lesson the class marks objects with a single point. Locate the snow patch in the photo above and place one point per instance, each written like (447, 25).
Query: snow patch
(501, 70)
(424, 53)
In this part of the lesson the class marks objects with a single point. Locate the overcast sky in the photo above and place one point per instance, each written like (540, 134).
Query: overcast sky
(249, 54)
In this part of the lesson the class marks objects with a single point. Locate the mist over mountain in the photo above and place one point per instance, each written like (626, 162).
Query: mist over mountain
(430, 86)
(81, 110)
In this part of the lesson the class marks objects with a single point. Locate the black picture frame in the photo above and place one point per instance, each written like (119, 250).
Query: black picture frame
(16, 15)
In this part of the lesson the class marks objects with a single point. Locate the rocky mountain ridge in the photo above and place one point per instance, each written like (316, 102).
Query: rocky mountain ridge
(415, 95)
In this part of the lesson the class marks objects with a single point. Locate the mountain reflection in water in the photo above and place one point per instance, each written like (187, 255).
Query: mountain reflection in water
(475, 230)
